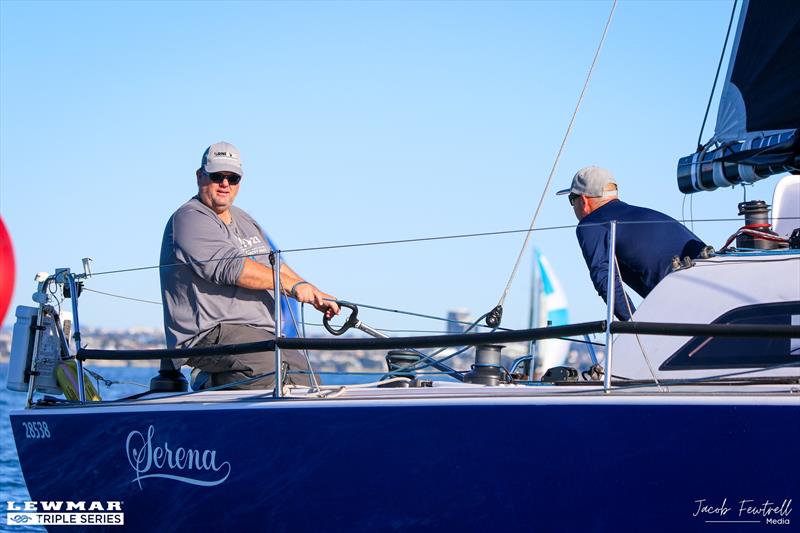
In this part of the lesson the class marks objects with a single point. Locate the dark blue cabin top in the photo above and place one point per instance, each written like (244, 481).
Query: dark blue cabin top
(644, 251)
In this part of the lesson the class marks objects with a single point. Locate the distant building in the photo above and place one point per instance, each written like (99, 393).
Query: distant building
(460, 314)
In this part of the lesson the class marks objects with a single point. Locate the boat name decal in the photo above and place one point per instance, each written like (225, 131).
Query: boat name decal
(153, 460)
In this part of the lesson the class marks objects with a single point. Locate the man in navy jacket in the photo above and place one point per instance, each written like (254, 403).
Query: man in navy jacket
(646, 240)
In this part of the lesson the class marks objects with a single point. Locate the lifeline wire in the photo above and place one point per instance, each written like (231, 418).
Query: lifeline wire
(399, 241)
(122, 297)
(335, 247)
(558, 158)
(387, 330)
(187, 393)
(303, 323)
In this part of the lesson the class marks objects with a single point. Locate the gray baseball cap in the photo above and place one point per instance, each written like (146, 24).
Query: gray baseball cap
(222, 157)
(591, 181)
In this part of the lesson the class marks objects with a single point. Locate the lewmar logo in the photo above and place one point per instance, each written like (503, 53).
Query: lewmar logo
(150, 459)
(64, 513)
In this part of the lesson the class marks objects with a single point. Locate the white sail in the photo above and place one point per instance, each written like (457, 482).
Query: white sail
(549, 304)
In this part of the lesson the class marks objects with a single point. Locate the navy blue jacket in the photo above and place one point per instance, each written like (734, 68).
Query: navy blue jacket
(644, 251)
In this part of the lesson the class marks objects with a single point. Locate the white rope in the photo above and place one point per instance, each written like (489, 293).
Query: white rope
(558, 157)
(334, 391)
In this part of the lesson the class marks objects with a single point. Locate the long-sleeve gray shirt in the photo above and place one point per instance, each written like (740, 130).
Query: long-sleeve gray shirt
(201, 260)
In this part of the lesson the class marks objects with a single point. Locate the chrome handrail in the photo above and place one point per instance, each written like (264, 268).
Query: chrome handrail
(275, 260)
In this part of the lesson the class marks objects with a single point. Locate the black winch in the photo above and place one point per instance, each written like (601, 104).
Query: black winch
(756, 219)
(487, 369)
(396, 361)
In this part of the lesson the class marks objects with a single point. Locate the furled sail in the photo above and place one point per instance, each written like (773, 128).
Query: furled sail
(756, 134)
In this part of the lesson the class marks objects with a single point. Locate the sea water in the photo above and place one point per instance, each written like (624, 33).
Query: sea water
(132, 380)
(12, 483)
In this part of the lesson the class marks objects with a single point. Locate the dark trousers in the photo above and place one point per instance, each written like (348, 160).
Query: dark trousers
(231, 368)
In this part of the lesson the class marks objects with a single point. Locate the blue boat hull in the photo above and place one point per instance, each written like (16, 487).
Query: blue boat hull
(460, 467)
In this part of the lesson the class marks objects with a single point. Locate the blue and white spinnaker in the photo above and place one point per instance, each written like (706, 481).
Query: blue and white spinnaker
(548, 307)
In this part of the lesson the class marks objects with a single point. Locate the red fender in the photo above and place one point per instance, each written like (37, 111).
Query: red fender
(6, 270)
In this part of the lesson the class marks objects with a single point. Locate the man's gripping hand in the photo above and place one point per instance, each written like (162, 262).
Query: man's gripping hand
(322, 302)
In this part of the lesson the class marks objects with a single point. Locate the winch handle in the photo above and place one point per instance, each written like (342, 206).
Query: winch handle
(351, 321)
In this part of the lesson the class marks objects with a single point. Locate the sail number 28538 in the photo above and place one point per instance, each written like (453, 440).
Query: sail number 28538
(36, 430)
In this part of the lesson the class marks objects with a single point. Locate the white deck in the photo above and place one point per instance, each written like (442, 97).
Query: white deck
(443, 394)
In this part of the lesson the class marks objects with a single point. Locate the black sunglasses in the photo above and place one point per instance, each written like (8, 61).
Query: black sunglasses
(572, 197)
(219, 177)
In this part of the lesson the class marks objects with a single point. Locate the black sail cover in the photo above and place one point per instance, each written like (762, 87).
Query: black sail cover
(759, 111)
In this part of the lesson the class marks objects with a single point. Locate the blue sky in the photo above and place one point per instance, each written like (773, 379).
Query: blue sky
(357, 121)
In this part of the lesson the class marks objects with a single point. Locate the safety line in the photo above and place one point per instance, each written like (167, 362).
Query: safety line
(406, 241)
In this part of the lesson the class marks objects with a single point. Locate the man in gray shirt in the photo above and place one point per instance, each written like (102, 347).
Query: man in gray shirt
(217, 283)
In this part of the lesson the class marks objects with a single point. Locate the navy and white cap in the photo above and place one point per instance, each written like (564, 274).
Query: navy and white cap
(222, 157)
(591, 181)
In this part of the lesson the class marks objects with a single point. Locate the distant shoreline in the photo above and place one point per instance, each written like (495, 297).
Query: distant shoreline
(105, 363)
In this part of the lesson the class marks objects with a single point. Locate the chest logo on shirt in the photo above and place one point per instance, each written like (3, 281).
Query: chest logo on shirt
(252, 245)
(247, 242)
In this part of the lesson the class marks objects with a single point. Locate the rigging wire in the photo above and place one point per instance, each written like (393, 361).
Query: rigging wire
(423, 363)
(420, 315)
(122, 297)
(337, 247)
(366, 373)
(314, 381)
(683, 211)
(399, 241)
(388, 330)
(638, 340)
(683, 207)
(557, 159)
(716, 78)
(302, 322)
(429, 361)
(53, 290)
(109, 382)
(421, 239)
